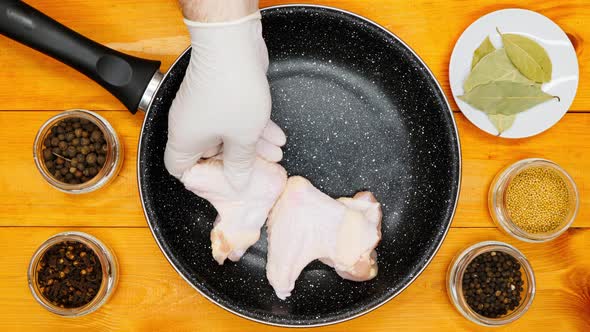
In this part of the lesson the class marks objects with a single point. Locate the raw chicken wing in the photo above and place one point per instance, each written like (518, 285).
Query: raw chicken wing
(306, 224)
(241, 214)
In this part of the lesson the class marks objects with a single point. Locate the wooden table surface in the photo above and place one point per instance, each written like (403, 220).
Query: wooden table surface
(150, 295)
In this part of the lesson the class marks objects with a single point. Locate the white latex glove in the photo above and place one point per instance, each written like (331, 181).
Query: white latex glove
(224, 101)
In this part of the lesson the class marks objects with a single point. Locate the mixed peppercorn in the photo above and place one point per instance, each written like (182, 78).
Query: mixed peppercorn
(492, 284)
(75, 150)
(69, 274)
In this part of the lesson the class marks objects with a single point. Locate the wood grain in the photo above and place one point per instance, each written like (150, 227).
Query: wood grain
(29, 200)
(26, 200)
(152, 297)
(154, 29)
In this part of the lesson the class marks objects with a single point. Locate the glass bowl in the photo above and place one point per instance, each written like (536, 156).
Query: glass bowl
(111, 167)
(497, 200)
(110, 275)
(455, 282)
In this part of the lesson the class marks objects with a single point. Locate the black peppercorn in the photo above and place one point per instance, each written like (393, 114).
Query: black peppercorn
(491, 284)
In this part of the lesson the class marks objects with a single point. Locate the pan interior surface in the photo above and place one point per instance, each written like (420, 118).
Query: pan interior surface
(361, 112)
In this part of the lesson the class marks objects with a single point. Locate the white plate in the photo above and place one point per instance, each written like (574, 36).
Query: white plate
(533, 25)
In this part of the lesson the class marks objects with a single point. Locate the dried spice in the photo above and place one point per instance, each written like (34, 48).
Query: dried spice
(504, 82)
(528, 56)
(75, 150)
(502, 122)
(538, 200)
(492, 284)
(69, 274)
(494, 67)
(484, 49)
(505, 97)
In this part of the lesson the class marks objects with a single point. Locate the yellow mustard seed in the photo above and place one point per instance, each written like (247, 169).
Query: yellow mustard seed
(537, 200)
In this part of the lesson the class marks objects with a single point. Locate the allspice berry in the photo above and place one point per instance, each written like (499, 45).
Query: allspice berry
(74, 151)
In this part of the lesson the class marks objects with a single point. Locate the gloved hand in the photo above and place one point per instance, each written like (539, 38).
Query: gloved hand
(224, 101)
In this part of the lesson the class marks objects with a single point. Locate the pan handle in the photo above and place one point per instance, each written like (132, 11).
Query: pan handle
(126, 77)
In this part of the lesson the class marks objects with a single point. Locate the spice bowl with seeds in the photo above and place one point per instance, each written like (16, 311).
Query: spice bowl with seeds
(491, 283)
(77, 151)
(72, 274)
(533, 200)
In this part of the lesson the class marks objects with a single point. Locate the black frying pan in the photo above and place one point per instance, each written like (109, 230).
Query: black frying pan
(361, 111)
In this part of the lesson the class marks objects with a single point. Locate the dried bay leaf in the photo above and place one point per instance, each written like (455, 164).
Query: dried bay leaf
(505, 97)
(502, 122)
(528, 56)
(494, 67)
(484, 49)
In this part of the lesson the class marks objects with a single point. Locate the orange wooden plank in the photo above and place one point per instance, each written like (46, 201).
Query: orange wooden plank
(27, 200)
(154, 29)
(152, 297)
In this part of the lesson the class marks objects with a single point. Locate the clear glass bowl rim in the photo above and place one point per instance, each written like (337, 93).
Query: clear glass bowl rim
(505, 223)
(110, 270)
(455, 280)
(106, 174)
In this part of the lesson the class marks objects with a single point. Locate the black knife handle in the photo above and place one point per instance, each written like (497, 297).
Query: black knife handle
(125, 76)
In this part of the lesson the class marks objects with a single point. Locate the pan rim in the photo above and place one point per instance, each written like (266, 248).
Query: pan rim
(389, 298)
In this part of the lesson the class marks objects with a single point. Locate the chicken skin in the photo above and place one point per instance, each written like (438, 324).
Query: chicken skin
(306, 224)
(242, 213)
